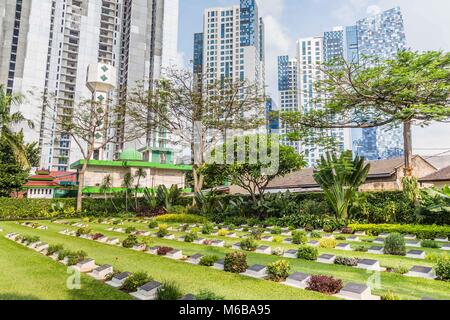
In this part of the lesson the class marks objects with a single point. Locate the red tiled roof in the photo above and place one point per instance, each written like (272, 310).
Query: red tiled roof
(41, 184)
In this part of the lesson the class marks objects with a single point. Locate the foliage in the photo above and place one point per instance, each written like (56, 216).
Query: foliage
(130, 230)
(277, 251)
(279, 270)
(307, 253)
(411, 189)
(54, 248)
(207, 228)
(361, 248)
(206, 295)
(208, 261)
(421, 231)
(222, 233)
(181, 218)
(299, 237)
(442, 269)
(315, 235)
(248, 244)
(324, 284)
(190, 237)
(395, 244)
(327, 243)
(430, 244)
(168, 291)
(162, 232)
(162, 251)
(134, 281)
(401, 269)
(276, 230)
(168, 197)
(130, 241)
(340, 177)
(83, 231)
(390, 296)
(256, 233)
(346, 261)
(75, 257)
(435, 206)
(153, 224)
(235, 262)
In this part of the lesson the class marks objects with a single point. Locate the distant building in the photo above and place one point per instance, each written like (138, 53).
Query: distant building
(272, 117)
(158, 166)
(46, 184)
(437, 179)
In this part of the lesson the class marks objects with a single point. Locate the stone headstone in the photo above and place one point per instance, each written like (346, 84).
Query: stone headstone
(353, 239)
(256, 271)
(416, 254)
(384, 235)
(147, 291)
(290, 254)
(369, 264)
(343, 246)
(236, 246)
(410, 237)
(219, 264)
(169, 237)
(199, 241)
(287, 241)
(326, 258)
(421, 272)
(175, 254)
(267, 238)
(360, 233)
(441, 239)
(86, 266)
(353, 291)
(446, 247)
(218, 243)
(298, 280)
(328, 236)
(313, 243)
(378, 241)
(412, 243)
(100, 273)
(376, 250)
(264, 250)
(153, 250)
(195, 259)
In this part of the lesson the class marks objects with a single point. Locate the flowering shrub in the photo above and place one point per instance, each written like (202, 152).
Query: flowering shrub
(235, 262)
(324, 284)
(299, 237)
(248, 244)
(345, 261)
(307, 253)
(130, 242)
(162, 251)
(279, 270)
(328, 243)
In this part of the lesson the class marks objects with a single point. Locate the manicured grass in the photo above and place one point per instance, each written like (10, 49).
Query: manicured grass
(194, 278)
(26, 274)
(191, 278)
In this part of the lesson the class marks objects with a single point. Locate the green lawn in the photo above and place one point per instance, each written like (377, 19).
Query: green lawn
(194, 278)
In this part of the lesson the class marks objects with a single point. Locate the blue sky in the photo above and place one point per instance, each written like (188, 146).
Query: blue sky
(427, 24)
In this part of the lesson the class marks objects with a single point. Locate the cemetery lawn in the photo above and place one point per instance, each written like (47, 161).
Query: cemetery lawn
(192, 278)
(46, 279)
(28, 275)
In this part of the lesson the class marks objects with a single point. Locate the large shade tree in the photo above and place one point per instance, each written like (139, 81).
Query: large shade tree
(409, 89)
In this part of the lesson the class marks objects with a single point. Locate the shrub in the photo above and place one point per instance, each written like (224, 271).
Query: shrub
(346, 261)
(134, 281)
(401, 270)
(63, 253)
(324, 284)
(315, 235)
(430, 244)
(421, 231)
(162, 232)
(257, 233)
(248, 244)
(341, 238)
(207, 228)
(82, 231)
(130, 230)
(347, 230)
(277, 239)
(75, 257)
(207, 295)
(54, 248)
(97, 236)
(395, 244)
(190, 237)
(153, 224)
(162, 251)
(181, 218)
(27, 239)
(235, 262)
(208, 261)
(307, 253)
(130, 241)
(278, 251)
(279, 270)
(361, 248)
(222, 233)
(435, 257)
(442, 269)
(276, 230)
(168, 291)
(390, 296)
(328, 243)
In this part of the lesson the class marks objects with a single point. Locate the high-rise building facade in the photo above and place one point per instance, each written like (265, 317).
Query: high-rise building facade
(49, 44)
(233, 44)
(380, 36)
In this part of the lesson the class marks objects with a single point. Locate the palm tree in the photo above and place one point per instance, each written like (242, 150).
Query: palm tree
(8, 120)
(127, 182)
(139, 174)
(340, 179)
(106, 186)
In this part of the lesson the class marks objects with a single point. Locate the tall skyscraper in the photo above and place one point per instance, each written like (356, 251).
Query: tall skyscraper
(381, 36)
(233, 44)
(49, 44)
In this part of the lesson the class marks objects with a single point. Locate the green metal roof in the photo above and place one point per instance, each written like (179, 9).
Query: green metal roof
(131, 155)
(128, 164)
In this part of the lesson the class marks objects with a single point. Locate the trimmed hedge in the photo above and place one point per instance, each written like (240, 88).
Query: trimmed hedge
(12, 208)
(421, 231)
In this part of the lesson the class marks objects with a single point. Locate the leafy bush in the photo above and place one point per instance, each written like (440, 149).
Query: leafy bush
(168, 291)
(162, 251)
(401, 269)
(222, 233)
(346, 261)
(134, 281)
(54, 248)
(277, 239)
(27, 239)
(130, 241)
(395, 244)
(361, 248)
(97, 236)
(153, 224)
(207, 228)
(83, 231)
(421, 231)
(324, 284)
(181, 218)
(276, 230)
(257, 233)
(235, 262)
(390, 296)
(327, 243)
(208, 261)
(347, 230)
(430, 244)
(207, 295)
(277, 251)
(248, 244)
(75, 257)
(279, 270)
(130, 230)
(307, 253)
(341, 238)
(315, 235)
(162, 232)
(190, 237)
(63, 253)
(299, 237)
(442, 269)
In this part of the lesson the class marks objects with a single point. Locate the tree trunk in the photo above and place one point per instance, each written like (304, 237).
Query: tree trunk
(407, 138)
(81, 186)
